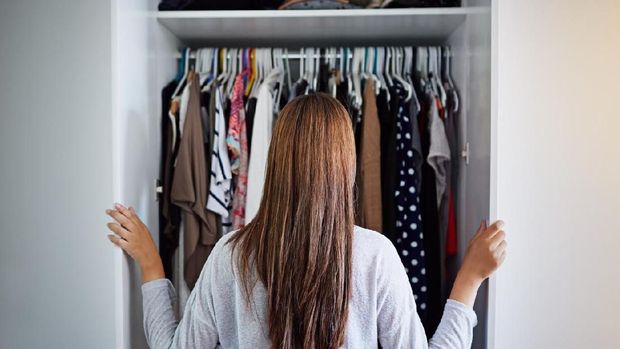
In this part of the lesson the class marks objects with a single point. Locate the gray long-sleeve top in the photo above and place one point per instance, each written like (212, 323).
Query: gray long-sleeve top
(381, 310)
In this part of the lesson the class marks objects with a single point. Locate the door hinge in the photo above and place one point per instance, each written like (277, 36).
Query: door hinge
(159, 189)
(465, 153)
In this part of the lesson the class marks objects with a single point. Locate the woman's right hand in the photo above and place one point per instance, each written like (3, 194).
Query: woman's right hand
(485, 253)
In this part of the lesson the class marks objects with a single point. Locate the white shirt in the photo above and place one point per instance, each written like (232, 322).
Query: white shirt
(261, 138)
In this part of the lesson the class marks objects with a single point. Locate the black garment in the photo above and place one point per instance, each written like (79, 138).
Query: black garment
(422, 3)
(410, 233)
(226, 103)
(210, 5)
(430, 217)
(323, 77)
(342, 95)
(300, 88)
(169, 215)
(205, 98)
(250, 110)
(387, 119)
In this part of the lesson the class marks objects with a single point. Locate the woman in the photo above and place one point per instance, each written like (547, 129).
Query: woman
(300, 274)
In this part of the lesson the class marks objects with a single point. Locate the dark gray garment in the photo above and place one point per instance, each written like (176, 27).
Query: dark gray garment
(416, 141)
(451, 124)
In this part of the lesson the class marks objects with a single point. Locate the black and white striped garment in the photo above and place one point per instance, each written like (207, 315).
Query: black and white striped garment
(220, 191)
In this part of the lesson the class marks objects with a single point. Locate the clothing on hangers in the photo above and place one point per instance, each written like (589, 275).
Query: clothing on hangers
(404, 144)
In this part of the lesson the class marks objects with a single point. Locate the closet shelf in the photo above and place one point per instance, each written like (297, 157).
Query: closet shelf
(296, 28)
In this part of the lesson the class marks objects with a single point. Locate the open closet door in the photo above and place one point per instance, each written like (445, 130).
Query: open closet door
(557, 170)
(143, 55)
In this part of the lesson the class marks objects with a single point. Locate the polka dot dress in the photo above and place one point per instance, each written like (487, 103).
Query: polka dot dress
(410, 238)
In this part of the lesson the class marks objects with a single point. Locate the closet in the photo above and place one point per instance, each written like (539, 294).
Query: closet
(149, 44)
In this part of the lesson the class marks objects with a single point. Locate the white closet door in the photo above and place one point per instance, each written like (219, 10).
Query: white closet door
(557, 170)
(143, 61)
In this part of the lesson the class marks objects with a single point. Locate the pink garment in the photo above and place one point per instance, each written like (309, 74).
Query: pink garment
(237, 141)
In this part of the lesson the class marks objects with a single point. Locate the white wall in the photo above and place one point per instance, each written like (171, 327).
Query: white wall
(558, 172)
(56, 265)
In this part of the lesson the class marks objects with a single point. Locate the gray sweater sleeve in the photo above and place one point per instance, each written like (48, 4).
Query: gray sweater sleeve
(197, 328)
(398, 322)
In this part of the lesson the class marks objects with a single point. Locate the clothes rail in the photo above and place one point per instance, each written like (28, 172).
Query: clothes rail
(299, 55)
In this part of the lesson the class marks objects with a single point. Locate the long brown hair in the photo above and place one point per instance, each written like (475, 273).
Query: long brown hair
(300, 241)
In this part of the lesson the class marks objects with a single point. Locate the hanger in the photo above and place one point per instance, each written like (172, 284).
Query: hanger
(279, 64)
(309, 70)
(231, 71)
(442, 89)
(259, 62)
(358, 53)
(370, 65)
(288, 69)
(337, 73)
(434, 69)
(380, 66)
(362, 64)
(385, 67)
(407, 85)
(341, 64)
(185, 66)
(317, 68)
(408, 52)
(213, 58)
(224, 59)
(421, 62)
(396, 71)
(455, 95)
(347, 63)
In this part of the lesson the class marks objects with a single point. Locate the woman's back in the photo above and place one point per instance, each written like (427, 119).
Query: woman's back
(381, 309)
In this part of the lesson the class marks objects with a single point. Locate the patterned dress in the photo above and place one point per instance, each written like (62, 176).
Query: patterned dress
(238, 149)
(409, 234)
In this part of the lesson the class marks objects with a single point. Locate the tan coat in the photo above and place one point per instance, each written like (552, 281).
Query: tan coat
(370, 162)
(190, 187)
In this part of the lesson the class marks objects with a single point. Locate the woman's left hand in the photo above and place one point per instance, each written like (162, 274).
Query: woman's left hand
(134, 238)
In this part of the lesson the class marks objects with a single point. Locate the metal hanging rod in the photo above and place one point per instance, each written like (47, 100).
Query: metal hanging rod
(284, 55)
(293, 56)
